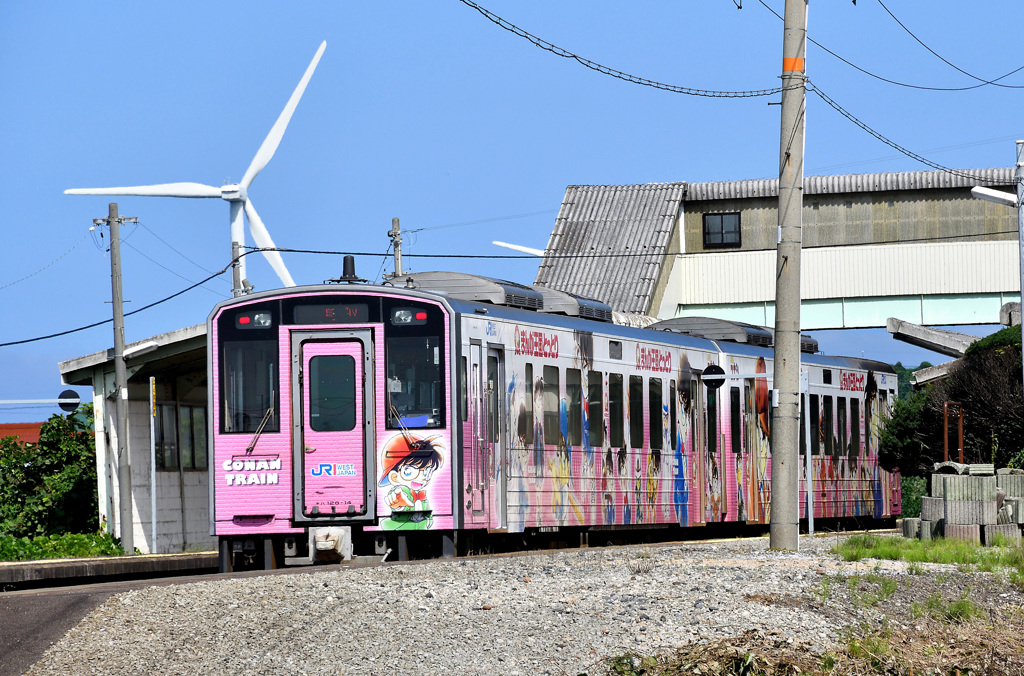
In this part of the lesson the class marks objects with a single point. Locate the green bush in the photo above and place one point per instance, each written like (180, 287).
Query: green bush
(49, 487)
(912, 488)
(68, 545)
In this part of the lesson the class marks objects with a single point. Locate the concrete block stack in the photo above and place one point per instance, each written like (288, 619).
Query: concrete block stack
(970, 502)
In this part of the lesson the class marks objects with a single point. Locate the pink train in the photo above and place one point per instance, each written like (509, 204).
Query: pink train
(443, 411)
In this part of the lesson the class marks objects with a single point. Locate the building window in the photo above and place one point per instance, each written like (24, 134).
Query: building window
(180, 436)
(721, 230)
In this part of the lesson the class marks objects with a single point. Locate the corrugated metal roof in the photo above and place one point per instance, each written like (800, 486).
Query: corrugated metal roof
(824, 185)
(633, 222)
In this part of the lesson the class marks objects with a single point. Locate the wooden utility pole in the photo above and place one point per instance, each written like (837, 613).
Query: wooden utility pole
(395, 233)
(124, 471)
(784, 530)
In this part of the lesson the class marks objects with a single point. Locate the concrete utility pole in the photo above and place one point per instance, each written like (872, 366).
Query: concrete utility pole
(124, 471)
(785, 431)
(395, 233)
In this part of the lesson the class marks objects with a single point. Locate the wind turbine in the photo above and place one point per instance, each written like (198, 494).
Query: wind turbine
(236, 194)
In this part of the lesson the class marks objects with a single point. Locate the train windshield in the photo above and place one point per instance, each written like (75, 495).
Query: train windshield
(414, 381)
(249, 386)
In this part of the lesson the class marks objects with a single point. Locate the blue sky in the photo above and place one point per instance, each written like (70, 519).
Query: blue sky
(429, 112)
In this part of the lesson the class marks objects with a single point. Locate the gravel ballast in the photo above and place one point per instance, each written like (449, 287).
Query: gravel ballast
(557, 612)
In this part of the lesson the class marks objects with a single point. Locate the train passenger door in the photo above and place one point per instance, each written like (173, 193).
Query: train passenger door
(496, 435)
(476, 473)
(332, 425)
(485, 480)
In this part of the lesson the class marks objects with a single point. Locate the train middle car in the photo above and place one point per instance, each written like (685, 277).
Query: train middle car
(363, 419)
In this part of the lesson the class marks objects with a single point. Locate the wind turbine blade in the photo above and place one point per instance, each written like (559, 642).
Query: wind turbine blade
(273, 139)
(524, 249)
(263, 241)
(162, 190)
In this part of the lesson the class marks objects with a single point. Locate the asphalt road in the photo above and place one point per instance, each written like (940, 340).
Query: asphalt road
(31, 621)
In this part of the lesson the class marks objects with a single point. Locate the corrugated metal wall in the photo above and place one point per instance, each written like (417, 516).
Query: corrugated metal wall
(850, 272)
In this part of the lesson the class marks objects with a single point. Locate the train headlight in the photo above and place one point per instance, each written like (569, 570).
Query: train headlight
(408, 316)
(254, 320)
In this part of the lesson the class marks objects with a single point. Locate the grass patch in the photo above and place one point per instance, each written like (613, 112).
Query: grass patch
(967, 556)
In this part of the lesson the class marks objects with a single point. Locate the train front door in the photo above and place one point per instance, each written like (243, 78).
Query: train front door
(332, 425)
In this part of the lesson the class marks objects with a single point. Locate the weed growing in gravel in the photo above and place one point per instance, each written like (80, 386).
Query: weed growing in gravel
(872, 646)
(955, 611)
(870, 590)
(643, 563)
(824, 591)
(915, 568)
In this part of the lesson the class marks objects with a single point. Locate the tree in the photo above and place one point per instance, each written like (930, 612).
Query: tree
(986, 382)
(50, 487)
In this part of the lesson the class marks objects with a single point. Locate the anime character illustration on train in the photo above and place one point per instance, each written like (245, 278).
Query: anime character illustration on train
(409, 462)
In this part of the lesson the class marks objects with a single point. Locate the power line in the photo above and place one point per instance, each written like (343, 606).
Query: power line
(983, 81)
(485, 220)
(48, 265)
(126, 314)
(543, 44)
(892, 144)
(168, 245)
(896, 82)
(161, 265)
(605, 70)
(464, 256)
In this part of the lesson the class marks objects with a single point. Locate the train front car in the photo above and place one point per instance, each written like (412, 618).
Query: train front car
(330, 421)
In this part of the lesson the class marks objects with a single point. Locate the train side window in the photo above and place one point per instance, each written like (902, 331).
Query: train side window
(415, 396)
(655, 412)
(694, 414)
(854, 428)
(615, 400)
(734, 419)
(526, 429)
(574, 412)
(595, 409)
(673, 422)
(463, 392)
(712, 413)
(493, 401)
(614, 349)
(815, 426)
(826, 425)
(843, 448)
(552, 429)
(750, 430)
(636, 412)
